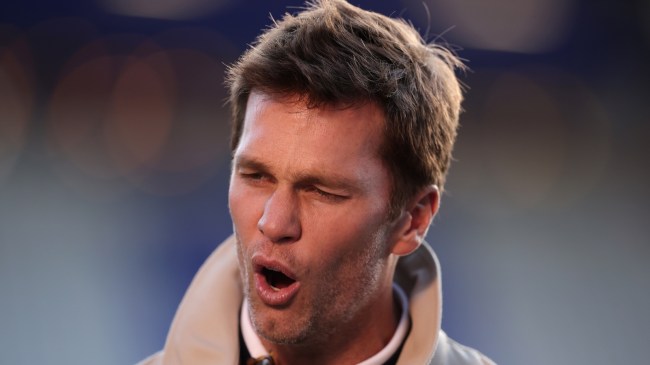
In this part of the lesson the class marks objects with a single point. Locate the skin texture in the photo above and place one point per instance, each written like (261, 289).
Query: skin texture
(309, 191)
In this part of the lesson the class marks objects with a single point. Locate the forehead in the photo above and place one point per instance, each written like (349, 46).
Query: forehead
(287, 128)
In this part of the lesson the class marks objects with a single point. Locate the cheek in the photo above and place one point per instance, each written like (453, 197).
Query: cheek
(244, 209)
(342, 242)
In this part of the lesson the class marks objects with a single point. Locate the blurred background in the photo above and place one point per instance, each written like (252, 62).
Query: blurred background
(114, 166)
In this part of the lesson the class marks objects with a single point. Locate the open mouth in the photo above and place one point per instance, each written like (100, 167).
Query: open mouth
(276, 279)
(275, 284)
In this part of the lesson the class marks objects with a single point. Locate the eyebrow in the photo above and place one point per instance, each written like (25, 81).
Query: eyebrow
(249, 163)
(334, 180)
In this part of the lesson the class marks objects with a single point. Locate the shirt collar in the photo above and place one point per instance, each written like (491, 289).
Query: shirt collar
(256, 349)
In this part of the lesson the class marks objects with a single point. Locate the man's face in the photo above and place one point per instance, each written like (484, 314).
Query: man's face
(309, 198)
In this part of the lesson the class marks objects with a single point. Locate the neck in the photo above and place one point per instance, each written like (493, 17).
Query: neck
(362, 337)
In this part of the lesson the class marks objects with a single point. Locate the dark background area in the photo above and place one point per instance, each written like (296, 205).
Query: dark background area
(114, 166)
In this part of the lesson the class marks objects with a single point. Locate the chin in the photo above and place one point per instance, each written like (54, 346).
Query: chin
(280, 327)
(278, 331)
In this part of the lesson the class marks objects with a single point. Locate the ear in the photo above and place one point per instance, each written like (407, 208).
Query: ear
(413, 223)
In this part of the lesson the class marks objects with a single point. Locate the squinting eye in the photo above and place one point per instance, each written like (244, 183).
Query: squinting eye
(252, 176)
(325, 194)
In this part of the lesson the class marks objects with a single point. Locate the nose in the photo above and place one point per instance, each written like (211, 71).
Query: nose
(280, 220)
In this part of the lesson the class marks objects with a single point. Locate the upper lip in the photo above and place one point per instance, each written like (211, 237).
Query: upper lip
(261, 262)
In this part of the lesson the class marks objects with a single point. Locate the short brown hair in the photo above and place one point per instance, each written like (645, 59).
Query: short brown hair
(333, 53)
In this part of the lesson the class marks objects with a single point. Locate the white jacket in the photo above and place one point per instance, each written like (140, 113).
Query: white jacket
(206, 326)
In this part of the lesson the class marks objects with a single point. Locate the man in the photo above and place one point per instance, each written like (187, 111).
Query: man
(344, 122)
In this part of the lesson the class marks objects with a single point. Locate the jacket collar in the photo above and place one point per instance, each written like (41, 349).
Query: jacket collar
(204, 329)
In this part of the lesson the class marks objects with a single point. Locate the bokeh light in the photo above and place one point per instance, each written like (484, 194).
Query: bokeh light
(526, 26)
(169, 9)
(152, 117)
(16, 97)
(78, 115)
(525, 139)
(140, 118)
(542, 137)
(189, 139)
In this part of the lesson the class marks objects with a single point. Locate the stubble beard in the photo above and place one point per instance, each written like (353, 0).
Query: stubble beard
(327, 315)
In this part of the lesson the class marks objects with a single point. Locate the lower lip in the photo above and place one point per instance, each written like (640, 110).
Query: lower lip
(274, 297)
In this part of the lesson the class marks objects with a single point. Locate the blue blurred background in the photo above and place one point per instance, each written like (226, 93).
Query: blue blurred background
(114, 167)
